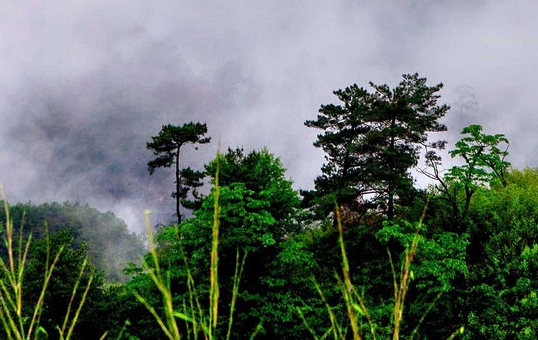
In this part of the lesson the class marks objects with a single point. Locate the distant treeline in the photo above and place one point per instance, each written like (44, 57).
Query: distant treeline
(110, 245)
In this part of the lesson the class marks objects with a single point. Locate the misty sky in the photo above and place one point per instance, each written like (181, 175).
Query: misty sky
(84, 84)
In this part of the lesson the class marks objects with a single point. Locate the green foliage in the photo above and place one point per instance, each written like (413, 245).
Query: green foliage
(484, 157)
(440, 257)
(257, 203)
(484, 163)
(432, 261)
(373, 139)
(258, 180)
(167, 147)
(167, 323)
(59, 300)
(503, 260)
(257, 209)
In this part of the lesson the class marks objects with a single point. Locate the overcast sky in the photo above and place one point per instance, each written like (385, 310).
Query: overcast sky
(84, 84)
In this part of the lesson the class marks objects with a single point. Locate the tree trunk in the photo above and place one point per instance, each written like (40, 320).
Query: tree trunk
(178, 186)
(392, 165)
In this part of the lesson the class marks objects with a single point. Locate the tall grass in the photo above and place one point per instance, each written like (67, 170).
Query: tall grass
(168, 325)
(195, 317)
(16, 323)
(354, 302)
(401, 281)
(356, 308)
(66, 331)
(214, 271)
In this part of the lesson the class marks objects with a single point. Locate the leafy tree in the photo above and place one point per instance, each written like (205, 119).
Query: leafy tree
(484, 162)
(258, 214)
(167, 147)
(263, 175)
(373, 139)
(258, 209)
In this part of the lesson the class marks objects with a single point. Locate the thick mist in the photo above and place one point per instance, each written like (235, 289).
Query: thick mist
(83, 85)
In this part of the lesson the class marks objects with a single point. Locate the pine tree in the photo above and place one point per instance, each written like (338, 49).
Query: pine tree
(167, 147)
(372, 140)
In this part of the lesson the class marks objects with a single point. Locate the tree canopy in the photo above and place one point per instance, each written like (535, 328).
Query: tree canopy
(372, 139)
(484, 162)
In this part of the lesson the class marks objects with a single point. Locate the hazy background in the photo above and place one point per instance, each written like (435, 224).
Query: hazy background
(84, 84)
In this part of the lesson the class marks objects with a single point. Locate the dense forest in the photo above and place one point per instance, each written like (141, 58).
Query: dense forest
(366, 254)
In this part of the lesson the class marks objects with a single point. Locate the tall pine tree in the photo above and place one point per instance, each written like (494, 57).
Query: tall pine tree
(372, 140)
(167, 147)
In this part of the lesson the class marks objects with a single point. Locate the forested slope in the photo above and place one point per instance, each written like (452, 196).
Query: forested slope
(110, 245)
